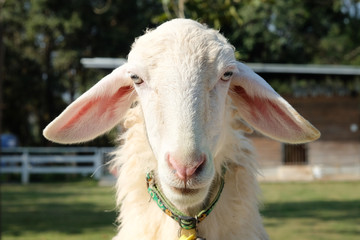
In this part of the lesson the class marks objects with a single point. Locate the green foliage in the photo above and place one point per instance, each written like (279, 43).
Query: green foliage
(44, 41)
(284, 31)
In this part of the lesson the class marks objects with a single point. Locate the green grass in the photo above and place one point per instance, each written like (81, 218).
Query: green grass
(70, 211)
(316, 210)
(82, 210)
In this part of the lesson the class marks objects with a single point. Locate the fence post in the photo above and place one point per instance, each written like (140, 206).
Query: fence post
(97, 164)
(25, 167)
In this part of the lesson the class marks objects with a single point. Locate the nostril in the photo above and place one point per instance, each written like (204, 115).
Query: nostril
(184, 171)
(199, 163)
(179, 170)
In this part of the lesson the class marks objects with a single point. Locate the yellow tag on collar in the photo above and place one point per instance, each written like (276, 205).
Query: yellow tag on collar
(191, 237)
(188, 234)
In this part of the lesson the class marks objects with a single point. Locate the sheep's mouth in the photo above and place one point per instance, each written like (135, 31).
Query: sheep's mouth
(185, 190)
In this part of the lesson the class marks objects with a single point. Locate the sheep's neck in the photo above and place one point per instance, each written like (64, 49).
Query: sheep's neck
(186, 222)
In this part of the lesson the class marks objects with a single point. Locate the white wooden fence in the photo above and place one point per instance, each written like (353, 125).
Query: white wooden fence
(54, 160)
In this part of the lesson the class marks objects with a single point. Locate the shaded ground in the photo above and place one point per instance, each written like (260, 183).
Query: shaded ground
(314, 210)
(82, 210)
(57, 211)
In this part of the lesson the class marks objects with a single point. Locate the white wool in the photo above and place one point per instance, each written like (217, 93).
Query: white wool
(192, 103)
(236, 214)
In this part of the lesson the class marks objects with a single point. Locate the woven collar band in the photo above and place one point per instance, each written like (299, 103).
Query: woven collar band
(186, 222)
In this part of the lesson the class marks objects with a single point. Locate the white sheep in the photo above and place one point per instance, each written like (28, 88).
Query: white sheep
(191, 104)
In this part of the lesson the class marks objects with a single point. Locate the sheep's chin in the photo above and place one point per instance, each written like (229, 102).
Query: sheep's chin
(186, 199)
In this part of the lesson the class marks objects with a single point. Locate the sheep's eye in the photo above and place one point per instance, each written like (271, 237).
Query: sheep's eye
(227, 76)
(136, 79)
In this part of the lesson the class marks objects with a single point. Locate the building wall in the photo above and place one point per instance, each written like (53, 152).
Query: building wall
(337, 118)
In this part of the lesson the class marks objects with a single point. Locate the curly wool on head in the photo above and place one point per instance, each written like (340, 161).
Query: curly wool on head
(186, 104)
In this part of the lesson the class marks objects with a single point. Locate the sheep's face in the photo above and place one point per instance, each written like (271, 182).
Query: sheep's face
(182, 82)
(182, 73)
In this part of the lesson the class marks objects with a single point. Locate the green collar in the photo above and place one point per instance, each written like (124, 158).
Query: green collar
(186, 222)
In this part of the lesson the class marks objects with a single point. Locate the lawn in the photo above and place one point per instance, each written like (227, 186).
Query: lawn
(82, 210)
(316, 211)
(71, 211)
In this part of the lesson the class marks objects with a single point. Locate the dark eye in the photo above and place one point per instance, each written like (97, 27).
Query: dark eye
(136, 78)
(227, 76)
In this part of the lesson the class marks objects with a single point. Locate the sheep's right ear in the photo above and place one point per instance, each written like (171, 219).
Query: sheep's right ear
(96, 111)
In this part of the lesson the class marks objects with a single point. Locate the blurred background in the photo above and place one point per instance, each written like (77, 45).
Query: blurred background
(308, 50)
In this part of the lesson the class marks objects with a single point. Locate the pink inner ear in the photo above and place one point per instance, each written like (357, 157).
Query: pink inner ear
(109, 104)
(104, 104)
(266, 110)
(78, 115)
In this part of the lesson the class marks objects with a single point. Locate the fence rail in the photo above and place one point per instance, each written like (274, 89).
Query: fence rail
(324, 160)
(54, 160)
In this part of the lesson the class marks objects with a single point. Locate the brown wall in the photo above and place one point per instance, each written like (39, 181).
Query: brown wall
(333, 115)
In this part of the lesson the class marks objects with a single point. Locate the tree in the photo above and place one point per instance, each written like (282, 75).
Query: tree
(298, 31)
(44, 41)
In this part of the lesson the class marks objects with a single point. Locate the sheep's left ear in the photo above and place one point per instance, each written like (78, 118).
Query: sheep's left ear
(265, 110)
(96, 111)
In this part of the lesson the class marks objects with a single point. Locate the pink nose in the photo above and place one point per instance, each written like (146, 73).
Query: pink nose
(185, 171)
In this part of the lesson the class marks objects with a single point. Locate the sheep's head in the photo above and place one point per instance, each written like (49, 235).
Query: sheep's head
(182, 74)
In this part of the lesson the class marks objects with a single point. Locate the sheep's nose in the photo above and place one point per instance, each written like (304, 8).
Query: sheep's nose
(185, 171)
